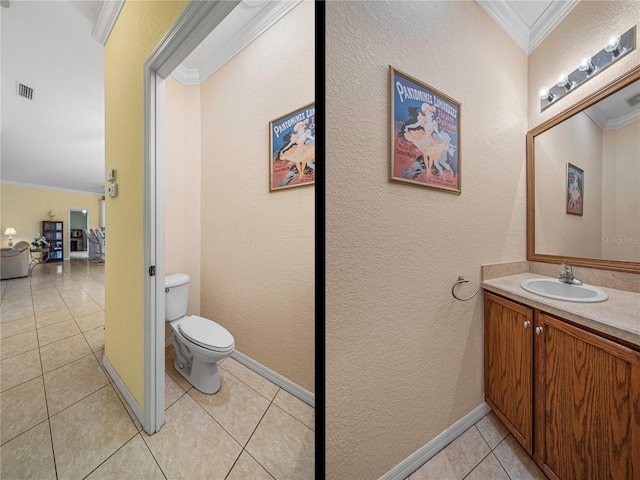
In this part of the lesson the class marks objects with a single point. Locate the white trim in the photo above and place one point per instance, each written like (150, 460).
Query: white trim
(153, 418)
(419, 458)
(284, 383)
(623, 121)
(596, 115)
(131, 401)
(197, 20)
(107, 20)
(549, 20)
(186, 76)
(526, 38)
(33, 185)
(271, 13)
(508, 20)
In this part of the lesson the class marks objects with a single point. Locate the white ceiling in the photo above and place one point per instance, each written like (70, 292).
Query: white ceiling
(57, 139)
(614, 112)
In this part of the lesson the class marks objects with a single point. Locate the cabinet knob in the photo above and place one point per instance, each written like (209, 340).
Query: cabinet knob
(527, 324)
(538, 330)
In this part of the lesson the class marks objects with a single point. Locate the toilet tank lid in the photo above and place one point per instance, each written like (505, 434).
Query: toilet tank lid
(176, 280)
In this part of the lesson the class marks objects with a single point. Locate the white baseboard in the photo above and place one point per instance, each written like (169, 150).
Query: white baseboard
(284, 383)
(137, 411)
(419, 458)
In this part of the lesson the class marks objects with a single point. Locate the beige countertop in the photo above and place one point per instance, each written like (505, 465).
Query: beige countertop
(619, 316)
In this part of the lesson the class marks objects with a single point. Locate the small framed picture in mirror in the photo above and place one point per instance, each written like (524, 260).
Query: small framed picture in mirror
(575, 189)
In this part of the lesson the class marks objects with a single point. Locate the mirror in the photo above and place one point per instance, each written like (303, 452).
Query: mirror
(583, 181)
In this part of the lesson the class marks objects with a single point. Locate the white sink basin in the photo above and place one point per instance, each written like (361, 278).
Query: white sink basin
(551, 288)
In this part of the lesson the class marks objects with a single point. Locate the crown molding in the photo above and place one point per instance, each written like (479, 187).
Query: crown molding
(526, 38)
(186, 76)
(549, 20)
(269, 14)
(596, 115)
(628, 119)
(107, 20)
(48, 187)
(508, 21)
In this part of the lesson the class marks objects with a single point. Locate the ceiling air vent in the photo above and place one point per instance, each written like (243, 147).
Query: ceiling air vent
(633, 100)
(24, 91)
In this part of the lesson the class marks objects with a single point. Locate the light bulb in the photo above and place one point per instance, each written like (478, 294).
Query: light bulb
(564, 82)
(613, 46)
(586, 66)
(546, 95)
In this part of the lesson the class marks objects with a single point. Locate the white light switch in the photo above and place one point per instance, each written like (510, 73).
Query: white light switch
(111, 175)
(113, 190)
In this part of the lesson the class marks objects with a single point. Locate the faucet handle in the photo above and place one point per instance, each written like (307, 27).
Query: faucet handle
(566, 268)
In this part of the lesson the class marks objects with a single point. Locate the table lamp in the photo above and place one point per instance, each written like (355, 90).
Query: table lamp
(10, 231)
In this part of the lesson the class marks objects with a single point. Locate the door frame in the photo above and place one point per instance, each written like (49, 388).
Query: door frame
(195, 23)
(87, 218)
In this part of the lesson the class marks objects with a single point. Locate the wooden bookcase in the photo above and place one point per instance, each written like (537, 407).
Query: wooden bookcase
(53, 232)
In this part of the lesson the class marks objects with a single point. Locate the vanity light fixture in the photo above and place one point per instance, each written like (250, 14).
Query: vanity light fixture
(617, 47)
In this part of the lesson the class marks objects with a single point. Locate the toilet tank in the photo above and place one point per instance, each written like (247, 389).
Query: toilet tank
(176, 296)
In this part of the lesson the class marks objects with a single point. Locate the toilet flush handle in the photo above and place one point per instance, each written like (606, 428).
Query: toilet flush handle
(166, 290)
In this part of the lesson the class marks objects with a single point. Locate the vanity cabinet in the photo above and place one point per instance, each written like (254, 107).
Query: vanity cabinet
(508, 365)
(575, 397)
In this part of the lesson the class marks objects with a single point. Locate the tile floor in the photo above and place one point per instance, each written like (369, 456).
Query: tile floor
(61, 416)
(486, 451)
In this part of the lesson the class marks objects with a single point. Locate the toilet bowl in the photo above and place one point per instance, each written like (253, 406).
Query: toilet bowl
(200, 343)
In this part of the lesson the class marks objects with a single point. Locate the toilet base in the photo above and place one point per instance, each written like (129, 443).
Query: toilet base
(198, 366)
(203, 376)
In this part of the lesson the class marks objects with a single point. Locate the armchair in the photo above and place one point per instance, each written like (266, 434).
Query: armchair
(14, 261)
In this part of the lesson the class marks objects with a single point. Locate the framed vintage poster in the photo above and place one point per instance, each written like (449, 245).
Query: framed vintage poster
(292, 149)
(425, 134)
(575, 189)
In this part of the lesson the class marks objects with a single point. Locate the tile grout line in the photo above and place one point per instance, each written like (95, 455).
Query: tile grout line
(498, 458)
(116, 451)
(44, 388)
(152, 455)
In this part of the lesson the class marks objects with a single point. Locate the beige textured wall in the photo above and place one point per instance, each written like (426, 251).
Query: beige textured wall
(182, 185)
(403, 358)
(583, 32)
(577, 140)
(621, 195)
(258, 247)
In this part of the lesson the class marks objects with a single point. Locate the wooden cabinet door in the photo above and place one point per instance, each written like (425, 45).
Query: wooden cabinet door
(587, 404)
(508, 367)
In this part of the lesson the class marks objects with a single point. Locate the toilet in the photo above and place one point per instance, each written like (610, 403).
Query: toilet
(200, 343)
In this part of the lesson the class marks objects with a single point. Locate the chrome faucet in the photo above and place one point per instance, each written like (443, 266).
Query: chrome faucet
(566, 275)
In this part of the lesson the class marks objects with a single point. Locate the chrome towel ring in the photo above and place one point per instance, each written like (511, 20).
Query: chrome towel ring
(461, 279)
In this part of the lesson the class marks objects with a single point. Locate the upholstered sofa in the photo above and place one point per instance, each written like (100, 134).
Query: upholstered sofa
(14, 261)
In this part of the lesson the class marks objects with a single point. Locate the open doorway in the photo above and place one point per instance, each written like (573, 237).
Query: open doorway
(199, 19)
(78, 222)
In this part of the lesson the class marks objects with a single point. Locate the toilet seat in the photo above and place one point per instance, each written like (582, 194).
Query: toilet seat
(206, 333)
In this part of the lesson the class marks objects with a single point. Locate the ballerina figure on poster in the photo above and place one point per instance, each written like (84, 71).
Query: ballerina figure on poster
(423, 132)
